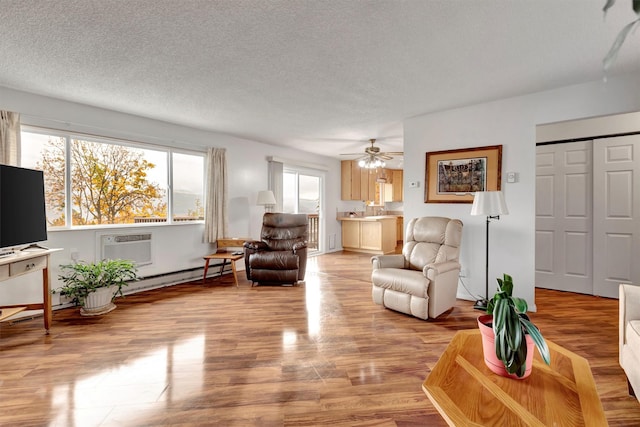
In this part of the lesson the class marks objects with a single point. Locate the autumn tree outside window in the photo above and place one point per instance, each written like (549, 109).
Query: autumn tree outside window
(95, 182)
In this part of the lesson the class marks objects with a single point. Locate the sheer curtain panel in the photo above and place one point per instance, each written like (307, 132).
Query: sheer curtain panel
(276, 170)
(9, 138)
(216, 218)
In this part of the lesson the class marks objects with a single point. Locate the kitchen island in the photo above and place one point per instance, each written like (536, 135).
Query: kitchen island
(369, 234)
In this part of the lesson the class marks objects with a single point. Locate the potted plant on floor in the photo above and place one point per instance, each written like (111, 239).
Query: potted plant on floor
(93, 286)
(508, 335)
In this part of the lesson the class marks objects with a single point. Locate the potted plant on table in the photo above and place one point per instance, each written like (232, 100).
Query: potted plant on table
(93, 286)
(508, 335)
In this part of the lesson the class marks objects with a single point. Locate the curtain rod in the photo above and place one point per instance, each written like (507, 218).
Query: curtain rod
(48, 123)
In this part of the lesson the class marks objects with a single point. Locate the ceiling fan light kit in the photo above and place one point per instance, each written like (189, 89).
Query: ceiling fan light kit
(371, 163)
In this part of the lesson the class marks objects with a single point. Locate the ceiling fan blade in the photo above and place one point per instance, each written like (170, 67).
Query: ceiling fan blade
(373, 151)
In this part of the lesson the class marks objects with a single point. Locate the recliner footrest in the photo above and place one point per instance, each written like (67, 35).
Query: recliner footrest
(274, 260)
(275, 276)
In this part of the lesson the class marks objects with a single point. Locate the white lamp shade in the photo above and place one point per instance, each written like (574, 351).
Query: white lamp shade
(489, 203)
(266, 198)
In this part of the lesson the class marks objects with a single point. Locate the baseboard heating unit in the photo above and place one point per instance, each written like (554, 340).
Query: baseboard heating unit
(135, 247)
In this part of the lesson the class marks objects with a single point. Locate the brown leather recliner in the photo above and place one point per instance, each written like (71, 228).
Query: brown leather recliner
(280, 257)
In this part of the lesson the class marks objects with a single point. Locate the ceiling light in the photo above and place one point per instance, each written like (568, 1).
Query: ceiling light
(371, 162)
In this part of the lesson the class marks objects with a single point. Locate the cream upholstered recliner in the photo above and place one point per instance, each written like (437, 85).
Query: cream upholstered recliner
(630, 336)
(423, 281)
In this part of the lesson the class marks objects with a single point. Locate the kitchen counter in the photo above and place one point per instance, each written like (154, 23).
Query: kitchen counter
(367, 218)
(369, 234)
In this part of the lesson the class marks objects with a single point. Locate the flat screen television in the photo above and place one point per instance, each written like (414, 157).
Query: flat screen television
(23, 218)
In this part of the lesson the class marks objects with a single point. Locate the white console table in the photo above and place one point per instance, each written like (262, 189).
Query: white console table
(24, 262)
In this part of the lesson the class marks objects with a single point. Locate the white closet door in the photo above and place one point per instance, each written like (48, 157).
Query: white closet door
(616, 171)
(564, 217)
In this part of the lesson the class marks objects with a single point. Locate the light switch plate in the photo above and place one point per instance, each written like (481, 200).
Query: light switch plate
(512, 177)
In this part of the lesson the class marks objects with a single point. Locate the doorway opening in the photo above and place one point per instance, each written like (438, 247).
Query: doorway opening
(302, 192)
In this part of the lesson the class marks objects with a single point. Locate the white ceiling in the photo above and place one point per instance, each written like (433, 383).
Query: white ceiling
(323, 76)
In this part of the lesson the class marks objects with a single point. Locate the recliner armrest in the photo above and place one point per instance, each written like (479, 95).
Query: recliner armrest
(387, 261)
(629, 309)
(298, 246)
(440, 267)
(256, 245)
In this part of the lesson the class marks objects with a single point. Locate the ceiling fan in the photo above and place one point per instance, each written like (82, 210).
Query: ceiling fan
(373, 157)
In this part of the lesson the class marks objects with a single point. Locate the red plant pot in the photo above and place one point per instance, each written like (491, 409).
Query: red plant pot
(489, 350)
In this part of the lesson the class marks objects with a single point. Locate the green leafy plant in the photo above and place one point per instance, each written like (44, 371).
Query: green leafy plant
(617, 44)
(82, 278)
(510, 325)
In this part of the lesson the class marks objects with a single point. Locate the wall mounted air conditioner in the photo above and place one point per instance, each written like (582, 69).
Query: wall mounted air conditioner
(135, 247)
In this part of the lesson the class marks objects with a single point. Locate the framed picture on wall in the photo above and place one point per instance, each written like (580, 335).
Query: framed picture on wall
(452, 176)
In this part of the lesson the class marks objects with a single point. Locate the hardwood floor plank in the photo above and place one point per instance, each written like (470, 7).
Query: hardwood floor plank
(311, 355)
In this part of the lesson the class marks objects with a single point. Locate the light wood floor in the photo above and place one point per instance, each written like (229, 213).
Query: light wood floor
(313, 355)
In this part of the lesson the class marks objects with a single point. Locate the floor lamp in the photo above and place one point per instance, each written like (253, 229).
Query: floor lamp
(492, 205)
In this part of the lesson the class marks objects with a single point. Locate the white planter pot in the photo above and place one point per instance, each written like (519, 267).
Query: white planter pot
(99, 302)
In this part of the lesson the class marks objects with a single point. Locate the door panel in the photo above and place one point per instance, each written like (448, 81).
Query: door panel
(544, 253)
(576, 254)
(564, 217)
(616, 209)
(302, 193)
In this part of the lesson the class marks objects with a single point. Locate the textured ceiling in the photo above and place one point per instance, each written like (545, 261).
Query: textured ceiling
(322, 76)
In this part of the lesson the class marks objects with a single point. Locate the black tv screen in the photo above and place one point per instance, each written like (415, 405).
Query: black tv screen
(22, 208)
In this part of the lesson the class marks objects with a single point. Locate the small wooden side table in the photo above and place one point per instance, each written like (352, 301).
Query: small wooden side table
(224, 256)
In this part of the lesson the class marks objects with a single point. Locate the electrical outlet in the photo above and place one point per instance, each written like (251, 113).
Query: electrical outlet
(74, 254)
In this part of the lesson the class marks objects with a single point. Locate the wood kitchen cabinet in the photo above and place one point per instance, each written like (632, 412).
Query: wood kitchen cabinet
(374, 235)
(361, 184)
(400, 229)
(396, 181)
(357, 183)
(351, 234)
(351, 181)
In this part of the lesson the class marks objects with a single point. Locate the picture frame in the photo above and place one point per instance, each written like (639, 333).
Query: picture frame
(452, 176)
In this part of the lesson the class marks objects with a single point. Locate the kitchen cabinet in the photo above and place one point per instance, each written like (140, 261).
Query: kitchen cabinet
(351, 181)
(400, 229)
(357, 183)
(350, 234)
(361, 184)
(373, 234)
(383, 194)
(396, 182)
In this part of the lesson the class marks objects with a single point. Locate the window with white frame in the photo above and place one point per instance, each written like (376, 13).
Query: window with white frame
(91, 181)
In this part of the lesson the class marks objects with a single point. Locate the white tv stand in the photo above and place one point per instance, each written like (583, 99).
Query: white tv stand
(26, 262)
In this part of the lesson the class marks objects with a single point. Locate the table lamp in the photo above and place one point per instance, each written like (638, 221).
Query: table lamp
(266, 199)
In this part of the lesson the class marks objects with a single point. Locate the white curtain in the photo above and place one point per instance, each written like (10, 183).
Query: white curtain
(276, 170)
(216, 218)
(9, 138)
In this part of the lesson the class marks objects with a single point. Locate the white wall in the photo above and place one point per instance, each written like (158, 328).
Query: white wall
(175, 247)
(511, 123)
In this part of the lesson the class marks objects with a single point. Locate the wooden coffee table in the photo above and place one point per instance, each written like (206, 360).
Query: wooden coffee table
(466, 393)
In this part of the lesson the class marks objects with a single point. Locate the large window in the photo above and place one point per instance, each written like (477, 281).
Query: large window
(188, 187)
(90, 181)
